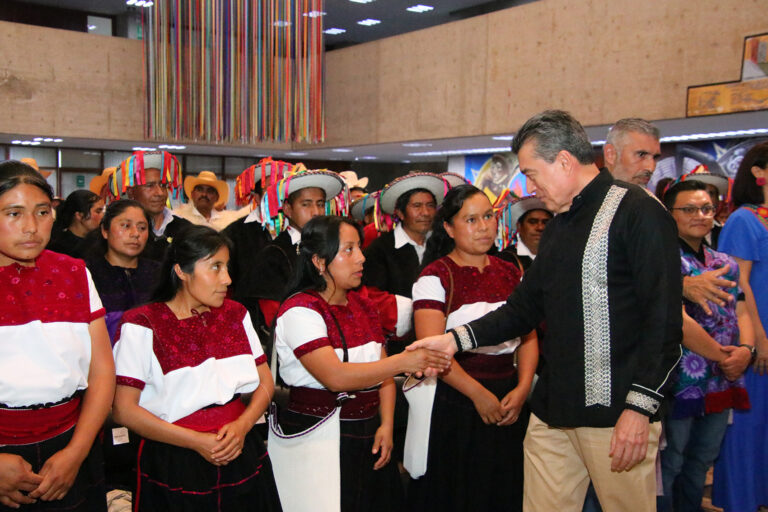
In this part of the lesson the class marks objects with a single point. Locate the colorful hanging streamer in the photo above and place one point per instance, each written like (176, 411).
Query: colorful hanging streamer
(238, 71)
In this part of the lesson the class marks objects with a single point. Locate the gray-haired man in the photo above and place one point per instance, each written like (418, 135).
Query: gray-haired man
(631, 150)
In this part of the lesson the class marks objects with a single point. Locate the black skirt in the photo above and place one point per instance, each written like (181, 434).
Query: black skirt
(362, 487)
(87, 493)
(471, 466)
(173, 479)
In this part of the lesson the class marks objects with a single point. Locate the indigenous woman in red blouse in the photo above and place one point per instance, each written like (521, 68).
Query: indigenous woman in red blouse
(185, 363)
(56, 370)
(329, 340)
(478, 411)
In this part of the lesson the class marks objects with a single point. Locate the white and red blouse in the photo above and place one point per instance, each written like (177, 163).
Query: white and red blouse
(305, 323)
(45, 346)
(182, 366)
(475, 293)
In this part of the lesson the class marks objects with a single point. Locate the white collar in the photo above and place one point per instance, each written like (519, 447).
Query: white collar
(167, 219)
(402, 238)
(294, 233)
(523, 250)
(254, 216)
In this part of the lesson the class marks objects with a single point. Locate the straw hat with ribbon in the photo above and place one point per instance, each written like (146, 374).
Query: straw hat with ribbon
(510, 214)
(130, 172)
(97, 182)
(701, 173)
(336, 195)
(454, 180)
(426, 180)
(265, 174)
(210, 179)
(359, 206)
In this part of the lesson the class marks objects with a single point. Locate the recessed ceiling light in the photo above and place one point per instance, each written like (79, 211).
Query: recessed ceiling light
(130, 2)
(416, 144)
(314, 14)
(141, 148)
(58, 140)
(37, 139)
(171, 146)
(48, 139)
(296, 153)
(369, 22)
(341, 150)
(369, 157)
(504, 137)
(91, 27)
(334, 31)
(282, 23)
(34, 143)
(15, 142)
(361, 1)
(406, 161)
(420, 8)
(474, 151)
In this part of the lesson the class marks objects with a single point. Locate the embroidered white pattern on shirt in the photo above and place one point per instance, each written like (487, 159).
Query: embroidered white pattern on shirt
(464, 339)
(645, 402)
(594, 294)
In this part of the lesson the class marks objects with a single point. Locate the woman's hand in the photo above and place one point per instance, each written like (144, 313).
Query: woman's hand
(204, 444)
(416, 361)
(382, 442)
(488, 407)
(231, 438)
(511, 405)
(16, 478)
(59, 473)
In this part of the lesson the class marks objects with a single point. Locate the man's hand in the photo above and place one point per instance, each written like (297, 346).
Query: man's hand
(761, 362)
(629, 442)
(16, 479)
(442, 343)
(736, 363)
(708, 287)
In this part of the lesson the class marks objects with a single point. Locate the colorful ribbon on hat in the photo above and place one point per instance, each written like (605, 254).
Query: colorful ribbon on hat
(506, 231)
(245, 183)
(131, 172)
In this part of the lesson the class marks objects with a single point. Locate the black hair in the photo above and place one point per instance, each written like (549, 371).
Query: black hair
(13, 173)
(402, 202)
(661, 186)
(319, 236)
(95, 242)
(79, 201)
(745, 187)
(525, 215)
(190, 245)
(440, 244)
(670, 196)
(553, 131)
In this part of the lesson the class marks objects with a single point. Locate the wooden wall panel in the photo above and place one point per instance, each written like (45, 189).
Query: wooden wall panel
(69, 84)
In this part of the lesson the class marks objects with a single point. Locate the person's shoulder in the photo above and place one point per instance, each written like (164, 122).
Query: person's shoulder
(302, 300)
(48, 257)
(385, 241)
(143, 315)
(503, 265)
(232, 310)
(441, 267)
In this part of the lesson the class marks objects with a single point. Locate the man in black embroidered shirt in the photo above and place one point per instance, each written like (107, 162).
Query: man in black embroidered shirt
(606, 280)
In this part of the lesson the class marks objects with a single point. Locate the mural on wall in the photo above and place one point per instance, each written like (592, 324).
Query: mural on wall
(494, 173)
(748, 94)
(721, 157)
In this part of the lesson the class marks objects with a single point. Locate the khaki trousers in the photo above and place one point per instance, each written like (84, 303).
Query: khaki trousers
(559, 463)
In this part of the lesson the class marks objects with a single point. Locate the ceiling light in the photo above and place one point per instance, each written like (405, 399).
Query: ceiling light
(416, 144)
(406, 161)
(139, 3)
(315, 14)
(130, 2)
(369, 22)
(58, 140)
(420, 8)
(341, 150)
(296, 153)
(26, 142)
(369, 157)
(714, 135)
(334, 31)
(170, 146)
(15, 142)
(476, 151)
(34, 143)
(504, 137)
(91, 27)
(48, 139)
(37, 139)
(149, 4)
(281, 23)
(140, 148)
(361, 1)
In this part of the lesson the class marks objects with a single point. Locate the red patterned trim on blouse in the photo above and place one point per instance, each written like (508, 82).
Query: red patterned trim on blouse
(98, 314)
(261, 359)
(130, 381)
(54, 290)
(428, 304)
(311, 346)
(218, 334)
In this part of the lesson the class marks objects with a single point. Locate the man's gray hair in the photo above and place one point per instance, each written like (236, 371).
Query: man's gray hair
(554, 131)
(622, 127)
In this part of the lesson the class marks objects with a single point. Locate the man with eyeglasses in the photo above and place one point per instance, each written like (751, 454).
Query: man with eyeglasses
(153, 196)
(707, 384)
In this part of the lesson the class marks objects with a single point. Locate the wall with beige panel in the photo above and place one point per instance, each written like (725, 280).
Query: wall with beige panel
(600, 59)
(69, 84)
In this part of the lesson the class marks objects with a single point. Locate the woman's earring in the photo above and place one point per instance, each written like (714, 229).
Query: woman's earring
(760, 182)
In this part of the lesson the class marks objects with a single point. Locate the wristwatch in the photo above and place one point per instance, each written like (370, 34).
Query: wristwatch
(752, 350)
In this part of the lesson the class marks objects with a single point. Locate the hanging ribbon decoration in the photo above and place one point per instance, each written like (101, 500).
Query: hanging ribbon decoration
(237, 71)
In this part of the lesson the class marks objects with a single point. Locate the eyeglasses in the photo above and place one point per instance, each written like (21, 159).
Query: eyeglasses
(152, 184)
(707, 210)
